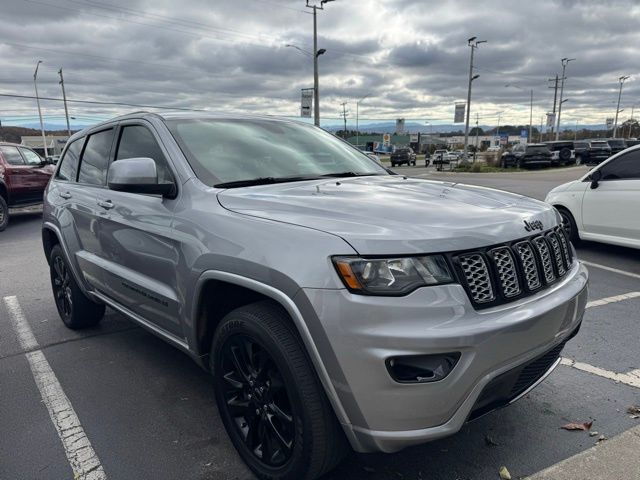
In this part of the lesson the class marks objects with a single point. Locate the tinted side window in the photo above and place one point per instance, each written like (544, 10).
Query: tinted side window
(137, 141)
(69, 162)
(11, 155)
(623, 168)
(93, 167)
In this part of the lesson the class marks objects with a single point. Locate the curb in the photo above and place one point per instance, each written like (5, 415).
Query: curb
(613, 459)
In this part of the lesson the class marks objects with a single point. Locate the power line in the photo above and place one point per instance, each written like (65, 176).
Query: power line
(98, 102)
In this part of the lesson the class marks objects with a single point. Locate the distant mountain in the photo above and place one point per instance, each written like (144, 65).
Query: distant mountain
(414, 127)
(47, 125)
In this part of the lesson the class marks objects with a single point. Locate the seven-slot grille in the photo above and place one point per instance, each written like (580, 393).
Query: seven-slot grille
(505, 272)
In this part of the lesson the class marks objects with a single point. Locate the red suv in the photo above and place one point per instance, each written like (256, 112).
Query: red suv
(23, 177)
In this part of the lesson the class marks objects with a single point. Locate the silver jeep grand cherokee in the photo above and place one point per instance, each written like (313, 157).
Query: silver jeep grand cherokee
(333, 301)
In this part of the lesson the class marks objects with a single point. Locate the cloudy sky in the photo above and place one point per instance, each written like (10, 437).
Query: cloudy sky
(410, 56)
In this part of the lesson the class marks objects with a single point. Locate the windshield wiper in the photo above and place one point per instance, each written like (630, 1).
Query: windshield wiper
(350, 174)
(262, 181)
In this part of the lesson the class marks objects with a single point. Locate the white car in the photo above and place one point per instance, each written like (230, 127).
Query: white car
(603, 205)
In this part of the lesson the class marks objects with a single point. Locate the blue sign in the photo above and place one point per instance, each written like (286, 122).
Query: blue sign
(523, 133)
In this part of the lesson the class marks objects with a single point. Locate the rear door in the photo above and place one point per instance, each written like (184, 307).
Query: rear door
(136, 233)
(83, 204)
(611, 210)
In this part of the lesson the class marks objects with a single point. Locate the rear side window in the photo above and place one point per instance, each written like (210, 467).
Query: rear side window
(625, 167)
(11, 155)
(31, 157)
(69, 163)
(137, 141)
(93, 166)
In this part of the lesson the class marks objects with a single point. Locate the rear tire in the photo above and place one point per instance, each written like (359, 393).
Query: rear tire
(75, 309)
(269, 397)
(4, 214)
(565, 155)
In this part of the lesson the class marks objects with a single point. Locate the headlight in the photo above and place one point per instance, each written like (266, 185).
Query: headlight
(392, 276)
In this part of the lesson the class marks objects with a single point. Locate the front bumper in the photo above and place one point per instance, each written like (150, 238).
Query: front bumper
(360, 332)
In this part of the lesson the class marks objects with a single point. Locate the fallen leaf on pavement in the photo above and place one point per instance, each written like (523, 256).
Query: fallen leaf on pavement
(578, 426)
(504, 473)
(634, 410)
(601, 438)
(593, 434)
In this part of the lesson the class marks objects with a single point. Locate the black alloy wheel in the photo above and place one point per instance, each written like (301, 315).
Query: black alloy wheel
(569, 225)
(4, 214)
(257, 400)
(61, 284)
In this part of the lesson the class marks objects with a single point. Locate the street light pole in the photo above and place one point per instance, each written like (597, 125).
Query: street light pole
(316, 54)
(473, 43)
(64, 99)
(358, 119)
(565, 62)
(35, 84)
(615, 123)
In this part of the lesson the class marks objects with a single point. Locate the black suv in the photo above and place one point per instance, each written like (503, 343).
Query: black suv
(591, 152)
(525, 155)
(617, 145)
(561, 151)
(402, 156)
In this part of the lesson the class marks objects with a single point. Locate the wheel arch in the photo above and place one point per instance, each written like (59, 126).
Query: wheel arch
(237, 285)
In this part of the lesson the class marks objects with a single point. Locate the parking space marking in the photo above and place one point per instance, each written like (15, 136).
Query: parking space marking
(83, 459)
(614, 299)
(632, 378)
(610, 269)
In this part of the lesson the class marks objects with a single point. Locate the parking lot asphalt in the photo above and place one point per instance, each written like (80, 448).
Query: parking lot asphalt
(149, 411)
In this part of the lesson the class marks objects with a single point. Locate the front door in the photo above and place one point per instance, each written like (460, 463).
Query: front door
(138, 241)
(612, 209)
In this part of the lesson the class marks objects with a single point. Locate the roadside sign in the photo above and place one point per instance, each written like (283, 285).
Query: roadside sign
(551, 120)
(458, 116)
(413, 138)
(609, 123)
(400, 126)
(306, 102)
(524, 133)
(386, 139)
(504, 138)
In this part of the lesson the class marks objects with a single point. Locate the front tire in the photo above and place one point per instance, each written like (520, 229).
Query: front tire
(269, 397)
(569, 225)
(4, 214)
(75, 309)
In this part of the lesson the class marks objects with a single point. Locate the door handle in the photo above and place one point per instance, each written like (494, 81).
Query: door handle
(65, 195)
(106, 204)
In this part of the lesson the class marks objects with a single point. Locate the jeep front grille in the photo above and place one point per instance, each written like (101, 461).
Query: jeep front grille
(502, 273)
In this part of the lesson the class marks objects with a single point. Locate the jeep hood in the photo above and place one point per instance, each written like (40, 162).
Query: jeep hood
(391, 215)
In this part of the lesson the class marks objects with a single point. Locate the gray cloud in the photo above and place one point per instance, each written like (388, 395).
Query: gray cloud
(410, 56)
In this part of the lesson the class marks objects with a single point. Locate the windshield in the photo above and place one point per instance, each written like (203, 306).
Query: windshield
(236, 150)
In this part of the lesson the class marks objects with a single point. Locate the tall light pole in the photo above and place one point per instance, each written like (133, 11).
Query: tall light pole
(530, 108)
(322, 51)
(316, 54)
(35, 84)
(473, 43)
(64, 99)
(358, 118)
(615, 123)
(565, 61)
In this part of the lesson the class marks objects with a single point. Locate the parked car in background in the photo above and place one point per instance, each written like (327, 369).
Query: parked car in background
(23, 177)
(616, 144)
(493, 149)
(603, 205)
(631, 142)
(524, 155)
(562, 152)
(403, 155)
(443, 156)
(591, 152)
(332, 304)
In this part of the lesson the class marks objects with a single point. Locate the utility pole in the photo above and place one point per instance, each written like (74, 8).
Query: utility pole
(473, 43)
(358, 119)
(555, 100)
(615, 123)
(316, 54)
(64, 98)
(565, 61)
(344, 115)
(35, 84)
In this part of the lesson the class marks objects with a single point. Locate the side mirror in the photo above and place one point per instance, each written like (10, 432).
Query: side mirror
(137, 175)
(595, 177)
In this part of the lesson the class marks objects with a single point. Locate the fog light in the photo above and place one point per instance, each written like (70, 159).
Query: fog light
(422, 368)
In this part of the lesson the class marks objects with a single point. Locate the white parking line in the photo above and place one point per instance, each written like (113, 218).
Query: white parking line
(82, 458)
(614, 299)
(610, 269)
(632, 378)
